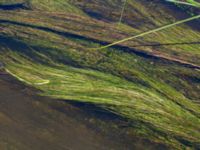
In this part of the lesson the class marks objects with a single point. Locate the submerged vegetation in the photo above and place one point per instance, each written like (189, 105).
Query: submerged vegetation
(190, 3)
(152, 81)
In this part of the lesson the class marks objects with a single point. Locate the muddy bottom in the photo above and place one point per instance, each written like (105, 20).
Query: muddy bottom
(29, 122)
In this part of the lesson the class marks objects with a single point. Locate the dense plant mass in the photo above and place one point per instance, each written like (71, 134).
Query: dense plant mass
(153, 81)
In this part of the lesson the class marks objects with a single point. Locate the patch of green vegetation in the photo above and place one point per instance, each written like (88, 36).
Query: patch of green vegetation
(54, 6)
(52, 52)
(188, 2)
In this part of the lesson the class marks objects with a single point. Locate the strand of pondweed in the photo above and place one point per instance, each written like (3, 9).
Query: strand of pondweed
(25, 81)
(149, 32)
(195, 4)
(122, 12)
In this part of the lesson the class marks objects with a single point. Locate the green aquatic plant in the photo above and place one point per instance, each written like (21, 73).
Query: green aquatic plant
(48, 50)
(122, 12)
(151, 31)
(189, 2)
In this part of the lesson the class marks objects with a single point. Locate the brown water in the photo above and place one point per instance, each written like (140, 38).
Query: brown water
(28, 122)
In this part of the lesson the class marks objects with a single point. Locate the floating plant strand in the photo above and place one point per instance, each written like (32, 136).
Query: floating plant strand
(122, 12)
(151, 31)
(184, 3)
(189, 2)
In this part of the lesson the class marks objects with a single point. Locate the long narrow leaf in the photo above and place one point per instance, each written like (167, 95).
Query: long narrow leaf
(151, 31)
(185, 3)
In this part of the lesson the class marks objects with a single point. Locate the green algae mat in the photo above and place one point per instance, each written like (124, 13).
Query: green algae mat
(64, 49)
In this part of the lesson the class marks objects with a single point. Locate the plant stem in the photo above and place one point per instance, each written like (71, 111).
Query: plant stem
(151, 31)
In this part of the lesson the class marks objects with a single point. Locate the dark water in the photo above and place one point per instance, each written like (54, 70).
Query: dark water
(13, 6)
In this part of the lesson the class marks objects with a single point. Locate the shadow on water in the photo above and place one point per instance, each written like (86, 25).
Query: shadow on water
(13, 6)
